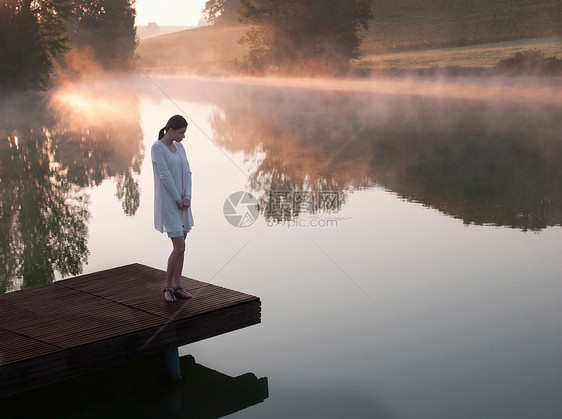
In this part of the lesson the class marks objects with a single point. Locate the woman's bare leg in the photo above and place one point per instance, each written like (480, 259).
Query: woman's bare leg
(175, 261)
(179, 266)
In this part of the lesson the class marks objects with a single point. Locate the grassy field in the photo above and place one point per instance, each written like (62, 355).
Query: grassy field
(474, 56)
(406, 34)
(414, 24)
(206, 49)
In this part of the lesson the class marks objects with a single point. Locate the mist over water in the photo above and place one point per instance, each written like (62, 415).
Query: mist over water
(448, 213)
(486, 154)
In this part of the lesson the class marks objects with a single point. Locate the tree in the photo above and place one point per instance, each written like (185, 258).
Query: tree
(32, 35)
(222, 12)
(313, 35)
(107, 29)
(152, 29)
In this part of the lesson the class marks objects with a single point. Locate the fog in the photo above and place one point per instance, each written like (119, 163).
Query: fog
(487, 152)
(310, 133)
(500, 88)
(483, 150)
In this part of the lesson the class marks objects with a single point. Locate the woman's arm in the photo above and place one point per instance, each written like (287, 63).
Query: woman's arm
(164, 173)
(188, 187)
(187, 190)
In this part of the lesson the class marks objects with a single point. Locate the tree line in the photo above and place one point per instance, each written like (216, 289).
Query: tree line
(286, 36)
(35, 36)
(297, 35)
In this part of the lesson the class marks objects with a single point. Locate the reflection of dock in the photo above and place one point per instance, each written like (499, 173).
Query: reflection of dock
(211, 394)
(83, 324)
(135, 389)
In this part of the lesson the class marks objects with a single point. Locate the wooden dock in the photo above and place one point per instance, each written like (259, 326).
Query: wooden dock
(94, 321)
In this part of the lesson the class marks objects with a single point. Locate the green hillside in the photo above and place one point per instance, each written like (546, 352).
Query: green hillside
(415, 24)
(469, 57)
(206, 49)
(400, 25)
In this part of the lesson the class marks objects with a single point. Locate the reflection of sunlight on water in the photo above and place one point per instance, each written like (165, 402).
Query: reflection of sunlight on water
(14, 143)
(82, 105)
(95, 105)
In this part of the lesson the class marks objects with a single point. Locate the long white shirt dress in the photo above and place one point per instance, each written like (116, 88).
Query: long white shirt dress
(172, 182)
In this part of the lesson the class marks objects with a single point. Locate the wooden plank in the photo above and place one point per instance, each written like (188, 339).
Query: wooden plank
(142, 289)
(105, 318)
(75, 318)
(16, 347)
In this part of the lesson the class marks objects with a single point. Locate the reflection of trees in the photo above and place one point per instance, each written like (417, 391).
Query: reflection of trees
(290, 135)
(93, 148)
(46, 160)
(484, 164)
(43, 216)
(495, 164)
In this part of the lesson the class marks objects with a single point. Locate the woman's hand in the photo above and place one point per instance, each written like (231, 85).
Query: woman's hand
(184, 203)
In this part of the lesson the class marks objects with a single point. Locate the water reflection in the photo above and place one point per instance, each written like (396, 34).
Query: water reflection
(99, 136)
(482, 161)
(49, 152)
(136, 389)
(289, 135)
(496, 162)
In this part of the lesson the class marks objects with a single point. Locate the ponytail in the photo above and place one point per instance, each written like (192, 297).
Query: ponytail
(161, 133)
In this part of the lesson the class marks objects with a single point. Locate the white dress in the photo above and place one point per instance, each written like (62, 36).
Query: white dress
(172, 182)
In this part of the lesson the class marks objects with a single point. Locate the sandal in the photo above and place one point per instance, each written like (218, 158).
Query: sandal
(169, 295)
(179, 292)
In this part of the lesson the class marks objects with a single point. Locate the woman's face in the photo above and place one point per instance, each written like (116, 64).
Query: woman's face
(179, 134)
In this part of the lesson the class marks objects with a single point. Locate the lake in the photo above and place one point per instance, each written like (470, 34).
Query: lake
(404, 235)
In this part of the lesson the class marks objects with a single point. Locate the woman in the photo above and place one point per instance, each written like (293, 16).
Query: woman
(172, 199)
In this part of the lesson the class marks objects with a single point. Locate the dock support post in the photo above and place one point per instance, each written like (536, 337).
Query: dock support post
(173, 364)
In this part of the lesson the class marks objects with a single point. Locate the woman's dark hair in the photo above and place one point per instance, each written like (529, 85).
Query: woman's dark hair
(175, 122)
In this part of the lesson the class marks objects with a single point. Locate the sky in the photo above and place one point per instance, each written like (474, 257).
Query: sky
(169, 12)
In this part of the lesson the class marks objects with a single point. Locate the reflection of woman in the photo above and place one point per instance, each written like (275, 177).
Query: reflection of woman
(172, 199)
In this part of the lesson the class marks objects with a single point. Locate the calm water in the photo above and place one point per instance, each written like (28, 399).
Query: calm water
(407, 252)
